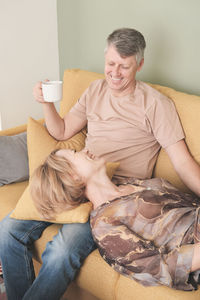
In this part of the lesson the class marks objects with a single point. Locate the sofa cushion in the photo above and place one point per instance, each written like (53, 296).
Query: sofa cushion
(13, 159)
(75, 82)
(126, 288)
(9, 195)
(40, 145)
(97, 277)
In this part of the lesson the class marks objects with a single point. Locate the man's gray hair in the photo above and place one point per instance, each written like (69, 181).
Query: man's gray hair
(127, 42)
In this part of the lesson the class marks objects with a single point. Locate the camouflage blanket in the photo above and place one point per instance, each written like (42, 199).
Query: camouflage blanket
(149, 235)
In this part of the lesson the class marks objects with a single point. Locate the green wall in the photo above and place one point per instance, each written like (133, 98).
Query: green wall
(171, 29)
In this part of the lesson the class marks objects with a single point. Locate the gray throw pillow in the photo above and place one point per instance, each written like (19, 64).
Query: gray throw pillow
(13, 158)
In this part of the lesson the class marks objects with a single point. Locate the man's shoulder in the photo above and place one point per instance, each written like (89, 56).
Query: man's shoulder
(151, 94)
(147, 87)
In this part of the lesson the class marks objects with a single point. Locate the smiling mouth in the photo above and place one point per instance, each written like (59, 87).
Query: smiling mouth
(115, 78)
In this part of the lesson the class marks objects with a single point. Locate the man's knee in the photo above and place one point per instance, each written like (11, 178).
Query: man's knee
(5, 229)
(76, 234)
(21, 231)
(72, 239)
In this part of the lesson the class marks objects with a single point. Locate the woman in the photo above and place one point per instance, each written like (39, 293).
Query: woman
(145, 229)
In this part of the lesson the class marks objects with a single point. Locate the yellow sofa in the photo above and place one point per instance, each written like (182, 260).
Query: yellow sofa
(96, 277)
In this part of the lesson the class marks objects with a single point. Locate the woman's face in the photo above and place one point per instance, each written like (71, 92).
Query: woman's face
(84, 163)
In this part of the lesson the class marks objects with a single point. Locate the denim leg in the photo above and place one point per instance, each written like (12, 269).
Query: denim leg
(16, 239)
(61, 261)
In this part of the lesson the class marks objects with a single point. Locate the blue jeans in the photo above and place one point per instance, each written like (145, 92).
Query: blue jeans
(62, 258)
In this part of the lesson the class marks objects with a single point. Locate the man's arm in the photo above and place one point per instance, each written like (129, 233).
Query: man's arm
(59, 128)
(62, 128)
(185, 165)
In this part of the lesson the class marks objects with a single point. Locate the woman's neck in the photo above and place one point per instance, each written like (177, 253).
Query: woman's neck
(100, 189)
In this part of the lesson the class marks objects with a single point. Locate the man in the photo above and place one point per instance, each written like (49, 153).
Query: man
(128, 121)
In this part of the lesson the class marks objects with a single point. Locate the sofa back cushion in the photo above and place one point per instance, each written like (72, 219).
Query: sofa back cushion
(75, 82)
(188, 107)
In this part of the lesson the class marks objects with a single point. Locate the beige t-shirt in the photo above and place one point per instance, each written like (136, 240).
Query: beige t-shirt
(129, 129)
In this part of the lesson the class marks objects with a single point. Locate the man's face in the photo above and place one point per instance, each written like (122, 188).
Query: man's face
(120, 72)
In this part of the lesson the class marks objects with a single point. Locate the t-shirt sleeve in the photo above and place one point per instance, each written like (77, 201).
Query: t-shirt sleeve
(165, 122)
(79, 109)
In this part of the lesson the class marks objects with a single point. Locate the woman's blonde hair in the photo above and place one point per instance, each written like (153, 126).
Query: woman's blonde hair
(55, 186)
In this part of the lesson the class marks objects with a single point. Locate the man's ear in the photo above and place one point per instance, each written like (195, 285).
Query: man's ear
(140, 65)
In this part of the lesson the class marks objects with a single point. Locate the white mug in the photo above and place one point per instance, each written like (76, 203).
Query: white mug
(52, 90)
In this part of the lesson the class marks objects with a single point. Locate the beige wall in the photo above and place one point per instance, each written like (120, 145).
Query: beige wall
(171, 29)
(28, 53)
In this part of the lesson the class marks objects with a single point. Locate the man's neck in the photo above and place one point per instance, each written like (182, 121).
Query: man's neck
(121, 93)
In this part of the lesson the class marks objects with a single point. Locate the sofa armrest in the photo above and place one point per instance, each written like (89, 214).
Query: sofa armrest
(13, 131)
(16, 130)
